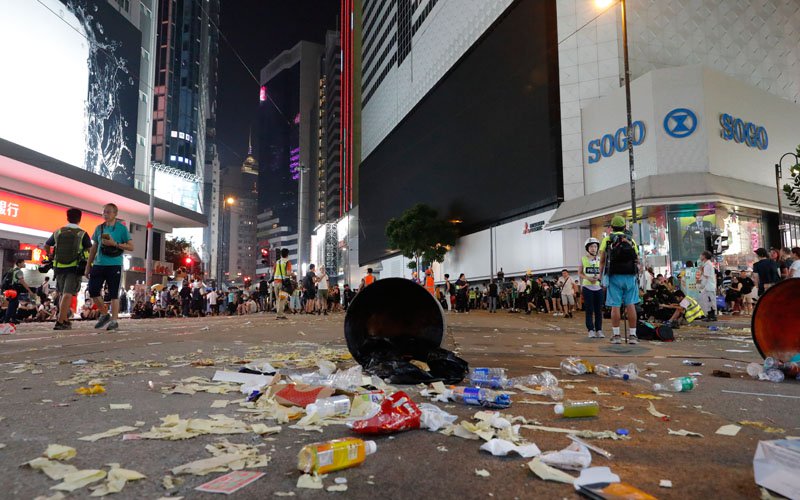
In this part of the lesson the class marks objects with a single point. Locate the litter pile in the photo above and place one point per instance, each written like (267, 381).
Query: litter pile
(775, 370)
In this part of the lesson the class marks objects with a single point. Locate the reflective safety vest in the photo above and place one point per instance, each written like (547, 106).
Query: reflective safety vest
(369, 279)
(429, 284)
(591, 267)
(694, 310)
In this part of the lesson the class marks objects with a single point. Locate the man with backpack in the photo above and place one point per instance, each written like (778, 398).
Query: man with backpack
(71, 246)
(13, 285)
(619, 266)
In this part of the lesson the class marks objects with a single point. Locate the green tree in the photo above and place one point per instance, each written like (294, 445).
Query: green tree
(793, 190)
(420, 235)
(176, 250)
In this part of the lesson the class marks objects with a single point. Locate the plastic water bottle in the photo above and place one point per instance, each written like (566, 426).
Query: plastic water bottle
(575, 366)
(493, 378)
(321, 458)
(775, 375)
(546, 382)
(577, 409)
(479, 397)
(678, 384)
(630, 370)
(328, 407)
(347, 379)
(755, 369)
(608, 371)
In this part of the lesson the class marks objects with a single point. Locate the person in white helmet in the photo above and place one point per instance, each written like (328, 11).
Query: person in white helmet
(591, 289)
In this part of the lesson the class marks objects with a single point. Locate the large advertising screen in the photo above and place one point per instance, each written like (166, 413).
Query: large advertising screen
(484, 144)
(70, 83)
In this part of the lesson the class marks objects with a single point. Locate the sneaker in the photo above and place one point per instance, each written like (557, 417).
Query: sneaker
(616, 339)
(599, 334)
(102, 320)
(633, 339)
(592, 335)
(112, 325)
(61, 326)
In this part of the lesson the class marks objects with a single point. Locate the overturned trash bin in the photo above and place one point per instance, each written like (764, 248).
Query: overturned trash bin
(394, 321)
(775, 320)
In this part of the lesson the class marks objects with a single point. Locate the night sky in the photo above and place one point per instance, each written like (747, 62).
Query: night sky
(258, 30)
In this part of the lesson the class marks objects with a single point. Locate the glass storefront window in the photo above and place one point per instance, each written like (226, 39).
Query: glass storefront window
(745, 234)
(689, 232)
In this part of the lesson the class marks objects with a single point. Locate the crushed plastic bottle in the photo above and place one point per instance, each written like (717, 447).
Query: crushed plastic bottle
(493, 378)
(545, 382)
(347, 379)
(609, 371)
(755, 370)
(329, 407)
(774, 375)
(678, 384)
(577, 409)
(322, 458)
(576, 366)
(790, 369)
(479, 397)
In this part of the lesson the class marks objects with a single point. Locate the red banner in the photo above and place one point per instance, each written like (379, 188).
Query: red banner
(34, 214)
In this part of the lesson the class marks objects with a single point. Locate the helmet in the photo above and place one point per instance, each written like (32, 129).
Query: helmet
(590, 241)
(618, 221)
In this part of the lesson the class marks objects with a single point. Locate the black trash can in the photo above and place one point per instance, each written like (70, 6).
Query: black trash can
(397, 311)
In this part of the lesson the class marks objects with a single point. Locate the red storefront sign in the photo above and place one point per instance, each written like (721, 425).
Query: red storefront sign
(35, 214)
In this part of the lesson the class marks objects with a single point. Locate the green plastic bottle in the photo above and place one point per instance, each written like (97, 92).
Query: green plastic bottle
(577, 409)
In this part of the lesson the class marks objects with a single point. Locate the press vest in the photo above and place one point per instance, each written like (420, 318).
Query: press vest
(281, 273)
(591, 266)
(694, 310)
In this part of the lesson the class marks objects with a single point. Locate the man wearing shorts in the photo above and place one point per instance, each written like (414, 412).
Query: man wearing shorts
(566, 284)
(619, 266)
(111, 239)
(71, 244)
(322, 290)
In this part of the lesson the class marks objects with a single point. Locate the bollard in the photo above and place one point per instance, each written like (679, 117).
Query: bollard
(775, 321)
(398, 311)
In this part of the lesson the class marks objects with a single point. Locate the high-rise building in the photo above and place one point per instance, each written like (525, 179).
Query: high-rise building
(330, 115)
(238, 246)
(351, 37)
(185, 82)
(289, 139)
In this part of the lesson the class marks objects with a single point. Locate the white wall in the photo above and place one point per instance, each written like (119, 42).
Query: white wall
(780, 118)
(470, 256)
(755, 42)
(450, 29)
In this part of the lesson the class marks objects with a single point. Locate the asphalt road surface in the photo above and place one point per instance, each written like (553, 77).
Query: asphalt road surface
(39, 406)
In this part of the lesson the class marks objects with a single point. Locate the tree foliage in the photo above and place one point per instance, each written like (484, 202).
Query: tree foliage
(793, 190)
(419, 234)
(176, 250)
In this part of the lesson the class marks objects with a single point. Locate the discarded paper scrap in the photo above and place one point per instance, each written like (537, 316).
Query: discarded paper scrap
(684, 432)
(729, 430)
(548, 473)
(230, 482)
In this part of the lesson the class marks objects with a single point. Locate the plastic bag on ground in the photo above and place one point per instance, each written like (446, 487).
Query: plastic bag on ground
(434, 418)
(573, 457)
(384, 358)
(398, 413)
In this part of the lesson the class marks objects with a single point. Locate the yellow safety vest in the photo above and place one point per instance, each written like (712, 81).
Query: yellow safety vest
(694, 310)
(591, 267)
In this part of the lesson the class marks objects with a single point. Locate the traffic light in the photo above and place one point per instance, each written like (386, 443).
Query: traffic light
(265, 256)
(188, 261)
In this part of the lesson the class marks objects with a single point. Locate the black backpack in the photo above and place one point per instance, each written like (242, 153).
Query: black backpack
(621, 255)
(8, 279)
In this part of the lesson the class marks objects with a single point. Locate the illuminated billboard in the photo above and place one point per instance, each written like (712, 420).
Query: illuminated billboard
(70, 85)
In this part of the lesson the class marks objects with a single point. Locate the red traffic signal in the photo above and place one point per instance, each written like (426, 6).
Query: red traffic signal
(188, 260)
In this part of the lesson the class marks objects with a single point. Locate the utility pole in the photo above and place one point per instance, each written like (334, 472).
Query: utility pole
(148, 269)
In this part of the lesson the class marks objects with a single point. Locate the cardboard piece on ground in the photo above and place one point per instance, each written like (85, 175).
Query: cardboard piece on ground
(59, 452)
(230, 482)
(53, 470)
(729, 430)
(79, 479)
(547, 473)
(652, 409)
(248, 379)
(309, 482)
(684, 432)
(109, 433)
(116, 481)
(775, 466)
(300, 394)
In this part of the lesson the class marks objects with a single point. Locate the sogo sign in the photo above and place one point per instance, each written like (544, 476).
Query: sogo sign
(755, 136)
(618, 141)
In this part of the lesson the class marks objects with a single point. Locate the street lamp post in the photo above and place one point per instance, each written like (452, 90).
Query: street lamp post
(782, 226)
(626, 65)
